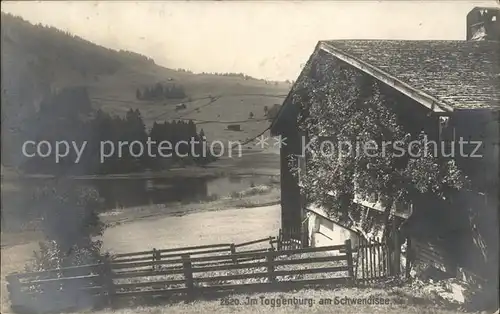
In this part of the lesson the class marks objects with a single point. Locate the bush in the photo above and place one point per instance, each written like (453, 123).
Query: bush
(70, 223)
(213, 197)
(252, 191)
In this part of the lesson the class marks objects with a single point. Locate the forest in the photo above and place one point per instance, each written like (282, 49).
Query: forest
(68, 116)
(161, 92)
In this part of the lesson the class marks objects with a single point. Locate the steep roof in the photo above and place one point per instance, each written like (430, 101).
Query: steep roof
(457, 74)
(441, 75)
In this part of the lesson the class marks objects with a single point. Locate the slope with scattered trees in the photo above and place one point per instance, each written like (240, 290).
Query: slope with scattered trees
(39, 61)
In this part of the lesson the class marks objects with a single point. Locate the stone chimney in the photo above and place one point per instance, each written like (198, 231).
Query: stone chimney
(483, 24)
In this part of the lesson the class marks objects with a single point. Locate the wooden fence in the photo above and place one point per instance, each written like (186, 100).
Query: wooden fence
(289, 239)
(204, 250)
(187, 276)
(373, 260)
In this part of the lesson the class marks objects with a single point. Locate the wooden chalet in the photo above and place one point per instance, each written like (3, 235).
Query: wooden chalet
(450, 89)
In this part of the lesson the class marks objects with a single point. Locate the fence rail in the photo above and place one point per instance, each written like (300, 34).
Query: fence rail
(188, 275)
(223, 248)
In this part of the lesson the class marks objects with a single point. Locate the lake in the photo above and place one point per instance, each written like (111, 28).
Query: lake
(133, 192)
(118, 193)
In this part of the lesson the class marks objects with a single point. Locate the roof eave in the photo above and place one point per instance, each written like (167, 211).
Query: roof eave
(426, 100)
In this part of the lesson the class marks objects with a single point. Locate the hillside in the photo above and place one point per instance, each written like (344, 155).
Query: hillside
(37, 60)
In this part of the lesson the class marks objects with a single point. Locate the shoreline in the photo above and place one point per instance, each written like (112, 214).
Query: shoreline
(133, 214)
(193, 172)
(130, 215)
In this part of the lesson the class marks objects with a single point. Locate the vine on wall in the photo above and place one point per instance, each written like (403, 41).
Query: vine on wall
(347, 106)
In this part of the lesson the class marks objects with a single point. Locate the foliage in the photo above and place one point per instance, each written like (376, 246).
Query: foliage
(73, 50)
(176, 132)
(232, 74)
(160, 91)
(38, 59)
(48, 257)
(252, 191)
(79, 123)
(354, 112)
(39, 56)
(70, 223)
(271, 113)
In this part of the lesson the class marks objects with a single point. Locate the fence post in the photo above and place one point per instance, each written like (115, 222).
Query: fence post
(356, 267)
(409, 258)
(158, 258)
(270, 265)
(233, 253)
(280, 240)
(387, 259)
(271, 242)
(107, 279)
(188, 277)
(14, 289)
(350, 264)
(153, 267)
(379, 258)
(372, 261)
(397, 254)
(363, 258)
(390, 261)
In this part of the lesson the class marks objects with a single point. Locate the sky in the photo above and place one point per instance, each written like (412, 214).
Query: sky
(264, 39)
